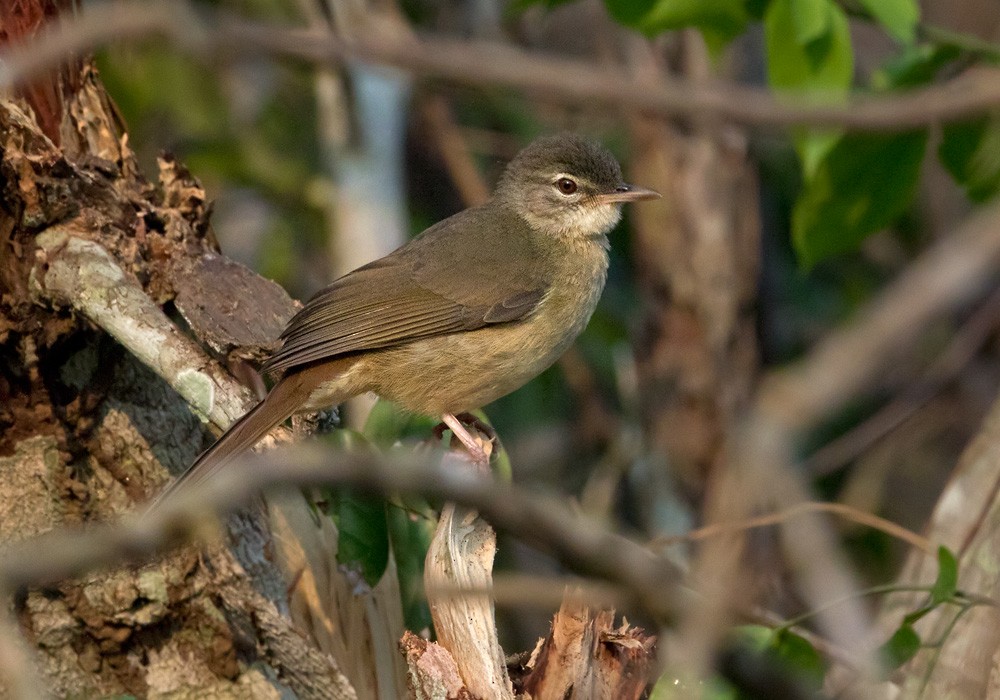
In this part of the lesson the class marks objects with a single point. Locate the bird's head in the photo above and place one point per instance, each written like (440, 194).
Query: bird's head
(566, 186)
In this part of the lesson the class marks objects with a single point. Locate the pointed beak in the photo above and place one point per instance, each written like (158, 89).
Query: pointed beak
(628, 193)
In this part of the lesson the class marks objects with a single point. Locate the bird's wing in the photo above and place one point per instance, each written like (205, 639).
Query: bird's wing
(444, 281)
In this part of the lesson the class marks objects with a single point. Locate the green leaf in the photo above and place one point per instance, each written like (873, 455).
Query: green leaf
(522, 5)
(914, 66)
(754, 637)
(801, 656)
(898, 17)
(629, 12)
(824, 66)
(901, 647)
(813, 146)
(947, 579)
(410, 533)
(811, 19)
(347, 440)
(913, 617)
(720, 20)
(363, 542)
(387, 423)
(670, 686)
(970, 151)
(864, 183)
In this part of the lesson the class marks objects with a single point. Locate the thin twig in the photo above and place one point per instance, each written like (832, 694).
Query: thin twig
(845, 511)
(485, 63)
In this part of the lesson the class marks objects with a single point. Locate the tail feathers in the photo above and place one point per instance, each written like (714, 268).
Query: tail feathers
(279, 404)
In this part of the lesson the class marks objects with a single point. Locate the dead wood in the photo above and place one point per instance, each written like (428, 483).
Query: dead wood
(586, 657)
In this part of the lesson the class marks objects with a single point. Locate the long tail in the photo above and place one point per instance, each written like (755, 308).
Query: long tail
(282, 401)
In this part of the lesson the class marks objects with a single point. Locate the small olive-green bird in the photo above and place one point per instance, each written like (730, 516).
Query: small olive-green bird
(468, 311)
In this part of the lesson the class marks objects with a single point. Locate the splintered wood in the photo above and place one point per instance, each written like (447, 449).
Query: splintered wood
(586, 658)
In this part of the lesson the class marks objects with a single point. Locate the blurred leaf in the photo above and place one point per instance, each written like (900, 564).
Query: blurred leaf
(811, 19)
(387, 423)
(720, 20)
(813, 146)
(754, 637)
(800, 656)
(629, 12)
(522, 5)
(756, 8)
(824, 65)
(898, 17)
(862, 185)
(914, 66)
(947, 579)
(363, 543)
(410, 534)
(790, 652)
(901, 647)
(671, 687)
(809, 50)
(363, 533)
(911, 618)
(347, 440)
(971, 153)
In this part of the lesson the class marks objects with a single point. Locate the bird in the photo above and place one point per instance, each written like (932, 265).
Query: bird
(468, 311)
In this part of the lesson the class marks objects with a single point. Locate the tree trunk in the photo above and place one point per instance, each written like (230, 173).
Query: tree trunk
(91, 253)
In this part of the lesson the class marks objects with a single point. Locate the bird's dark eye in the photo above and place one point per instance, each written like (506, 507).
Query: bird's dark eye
(566, 185)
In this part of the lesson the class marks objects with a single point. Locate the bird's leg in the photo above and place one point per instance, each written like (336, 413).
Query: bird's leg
(475, 449)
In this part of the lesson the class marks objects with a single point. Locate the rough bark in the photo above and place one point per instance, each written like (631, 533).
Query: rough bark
(87, 430)
(697, 257)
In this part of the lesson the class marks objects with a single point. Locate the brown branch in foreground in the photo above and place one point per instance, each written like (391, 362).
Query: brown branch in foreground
(482, 63)
(963, 347)
(541, 521)
(760, 471)
(952, 271)
(845, 511)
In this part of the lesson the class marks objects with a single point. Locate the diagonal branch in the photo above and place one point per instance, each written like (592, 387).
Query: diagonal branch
(81, 274)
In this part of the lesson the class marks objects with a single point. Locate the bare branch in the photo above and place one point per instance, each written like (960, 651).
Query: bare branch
(844, 364)
(760, 472)
(481, 63)
(542, 521)
(969, 339)
(81, 274)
